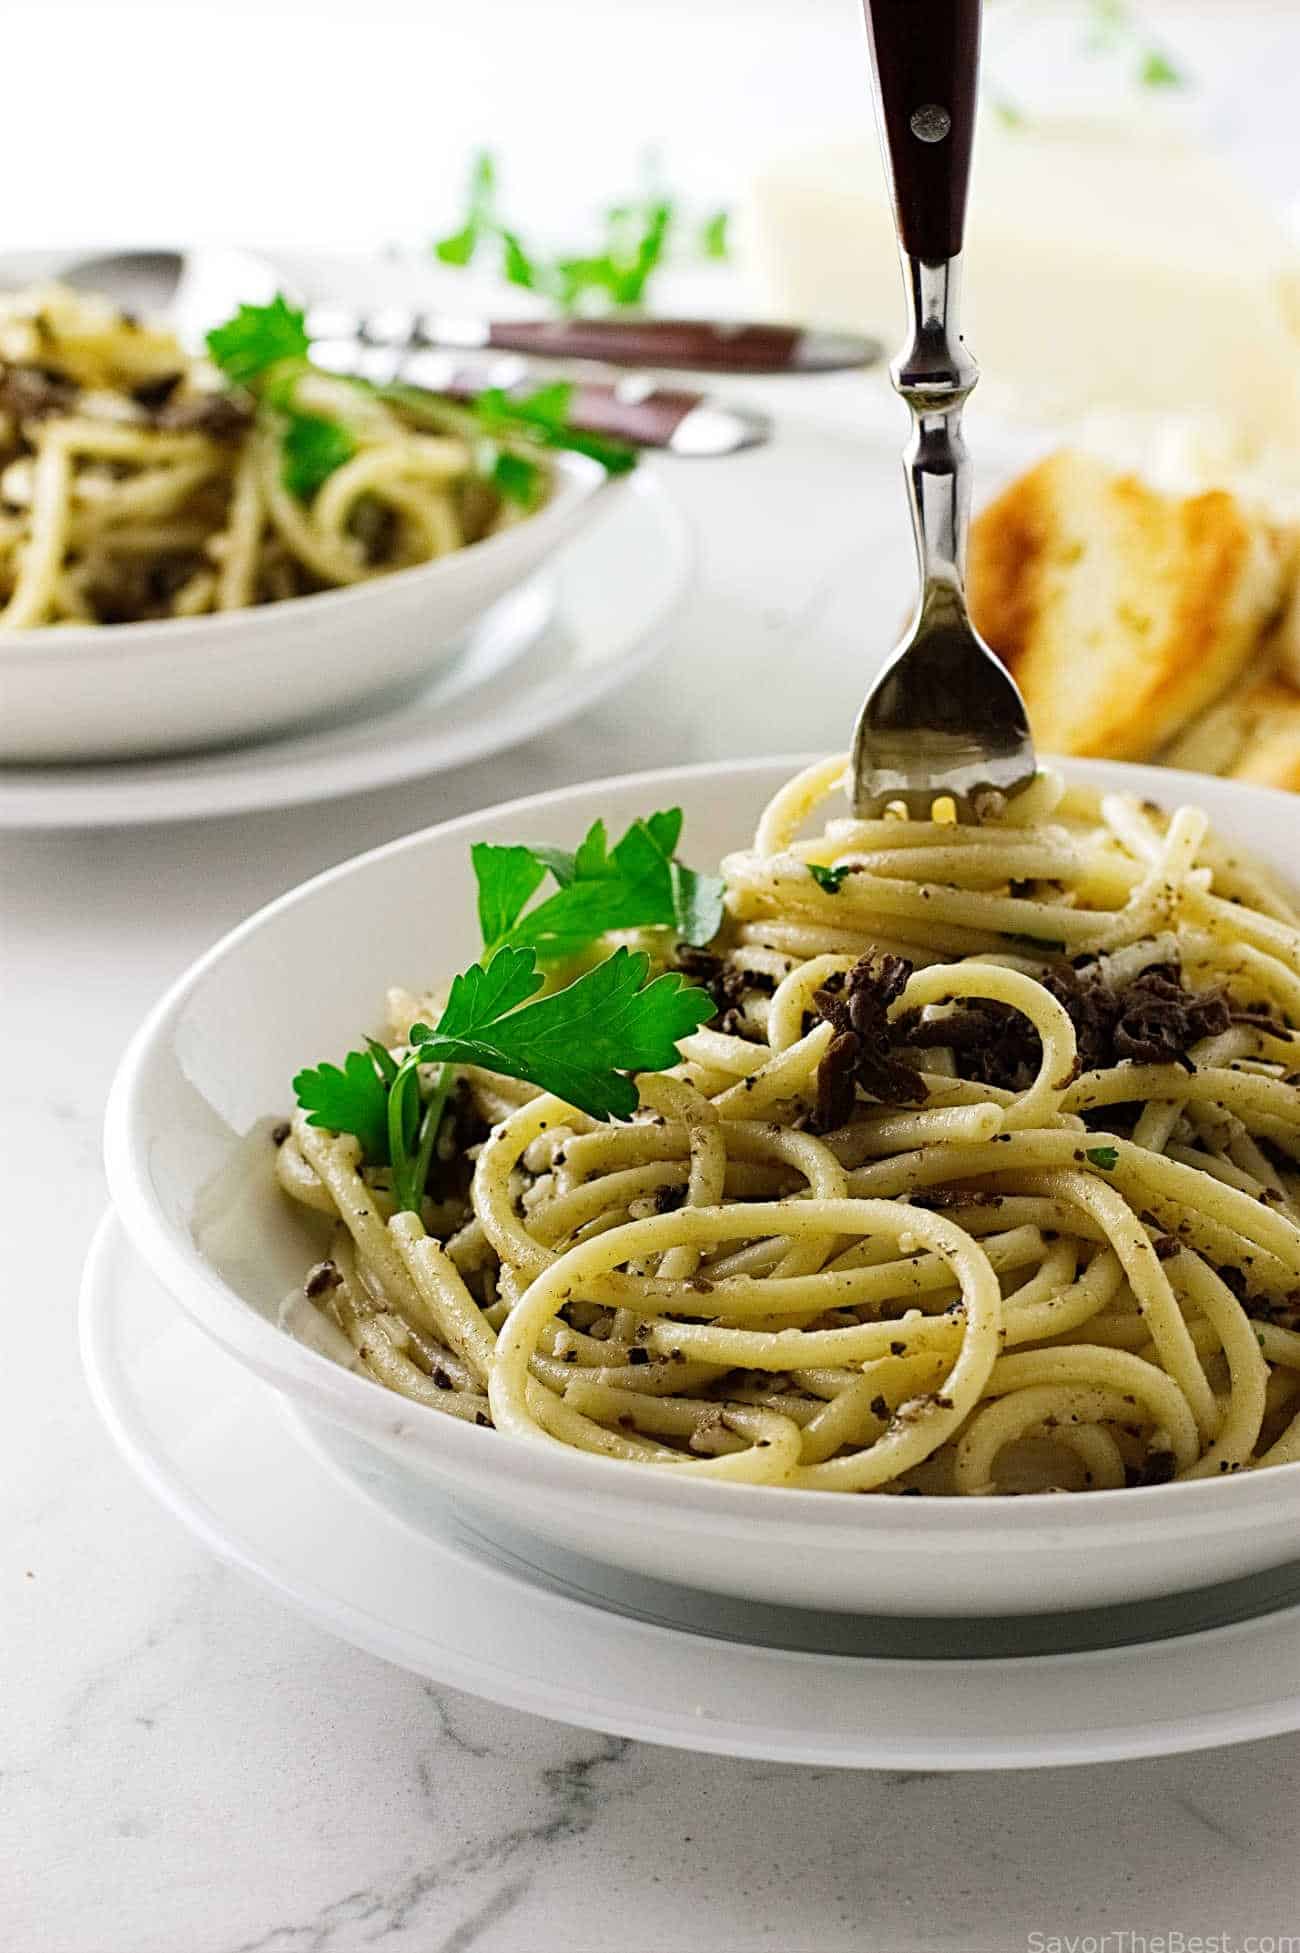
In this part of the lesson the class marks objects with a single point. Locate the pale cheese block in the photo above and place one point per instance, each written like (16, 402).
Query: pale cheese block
(1110, 268)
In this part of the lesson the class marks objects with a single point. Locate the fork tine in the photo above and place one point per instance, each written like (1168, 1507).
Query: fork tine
(945, 720)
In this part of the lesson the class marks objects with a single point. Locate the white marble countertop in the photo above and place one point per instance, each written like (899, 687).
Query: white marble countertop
(187, 1767)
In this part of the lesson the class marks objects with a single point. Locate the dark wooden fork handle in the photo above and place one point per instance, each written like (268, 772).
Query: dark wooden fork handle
(926, 57)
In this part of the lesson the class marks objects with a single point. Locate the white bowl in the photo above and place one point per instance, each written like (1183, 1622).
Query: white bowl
(197, 1197)
(119, 690)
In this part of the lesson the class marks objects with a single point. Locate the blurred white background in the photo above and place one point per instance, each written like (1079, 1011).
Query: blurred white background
(347, 123)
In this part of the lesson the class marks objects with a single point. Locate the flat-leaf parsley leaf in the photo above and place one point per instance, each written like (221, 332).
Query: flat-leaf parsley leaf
(637, 884)
(581, 1041)
(352, 1099)
(257, 338)
(312, 448)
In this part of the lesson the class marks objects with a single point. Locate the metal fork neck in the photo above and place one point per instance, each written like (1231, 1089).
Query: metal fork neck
(935, 375)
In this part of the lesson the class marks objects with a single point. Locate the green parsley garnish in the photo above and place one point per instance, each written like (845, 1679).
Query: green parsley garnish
(637, 884)
(1104, 1157)
(505, 431)
(381, 1102)
(544, 416)
(715, 238)
(257, 338)
(312, 448)
(480, 214)
(635, 236)
(828, 879)
(352, 1099)
(514, 478)
(580, 1043)
(1112, 28)
(264, 348)
(1156, 70)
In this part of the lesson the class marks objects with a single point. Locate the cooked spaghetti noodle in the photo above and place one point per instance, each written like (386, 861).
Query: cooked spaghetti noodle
(985, 1181)
(132, 488)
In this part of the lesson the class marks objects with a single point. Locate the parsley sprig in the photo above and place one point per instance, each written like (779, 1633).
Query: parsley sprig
(581, 1043)
(636, 884)
(352, 1097)
(636, 235)
(265, 348)
(382, 1102)
(507, 431)
(257, 338)
(311, 448)
(543, 416)
(1113, 28)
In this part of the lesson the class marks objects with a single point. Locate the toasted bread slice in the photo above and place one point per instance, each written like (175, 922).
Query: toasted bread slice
(1239, 724)
(1284, 642)
(1122, 612)
(1269, 754)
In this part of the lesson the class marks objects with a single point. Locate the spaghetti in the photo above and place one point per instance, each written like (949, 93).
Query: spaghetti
(132, 487)
(985, 1180)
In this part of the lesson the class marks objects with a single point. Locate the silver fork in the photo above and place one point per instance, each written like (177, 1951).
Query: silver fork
(944, 718)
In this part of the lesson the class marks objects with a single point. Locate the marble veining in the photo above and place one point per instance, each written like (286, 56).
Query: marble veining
(568, 1796)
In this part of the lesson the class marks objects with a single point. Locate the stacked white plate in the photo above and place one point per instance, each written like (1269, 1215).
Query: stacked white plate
(548, 650)
(945, 1633)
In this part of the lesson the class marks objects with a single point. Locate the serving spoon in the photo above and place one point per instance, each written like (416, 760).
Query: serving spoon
(944, 720)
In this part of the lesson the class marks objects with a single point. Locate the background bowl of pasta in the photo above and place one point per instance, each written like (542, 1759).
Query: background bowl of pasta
(195, 552)
(1049, 1273)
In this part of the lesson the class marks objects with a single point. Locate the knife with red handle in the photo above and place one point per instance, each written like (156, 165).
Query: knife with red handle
(697, 345)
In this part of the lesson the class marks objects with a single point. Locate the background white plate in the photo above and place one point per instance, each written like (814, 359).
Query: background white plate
(218, 1448)
(566, 640)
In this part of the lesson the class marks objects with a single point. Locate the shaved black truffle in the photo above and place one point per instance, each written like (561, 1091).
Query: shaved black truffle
(862, 1051)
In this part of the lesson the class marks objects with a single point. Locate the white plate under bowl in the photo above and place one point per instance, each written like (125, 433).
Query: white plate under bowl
(541, 655)
(553, 1634)
(119, 691)
(190, 1174)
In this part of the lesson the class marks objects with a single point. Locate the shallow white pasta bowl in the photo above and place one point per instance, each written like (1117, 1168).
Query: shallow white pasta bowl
(125, 690)
(189, 1161)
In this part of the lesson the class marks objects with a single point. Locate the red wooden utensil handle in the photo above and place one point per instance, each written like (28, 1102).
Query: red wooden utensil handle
(698, 343)
(926, 59)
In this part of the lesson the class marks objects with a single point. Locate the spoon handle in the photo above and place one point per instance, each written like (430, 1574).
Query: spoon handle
(925, 54)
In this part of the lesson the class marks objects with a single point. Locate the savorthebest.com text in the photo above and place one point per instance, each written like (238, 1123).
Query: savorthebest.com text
(1123, 1940)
